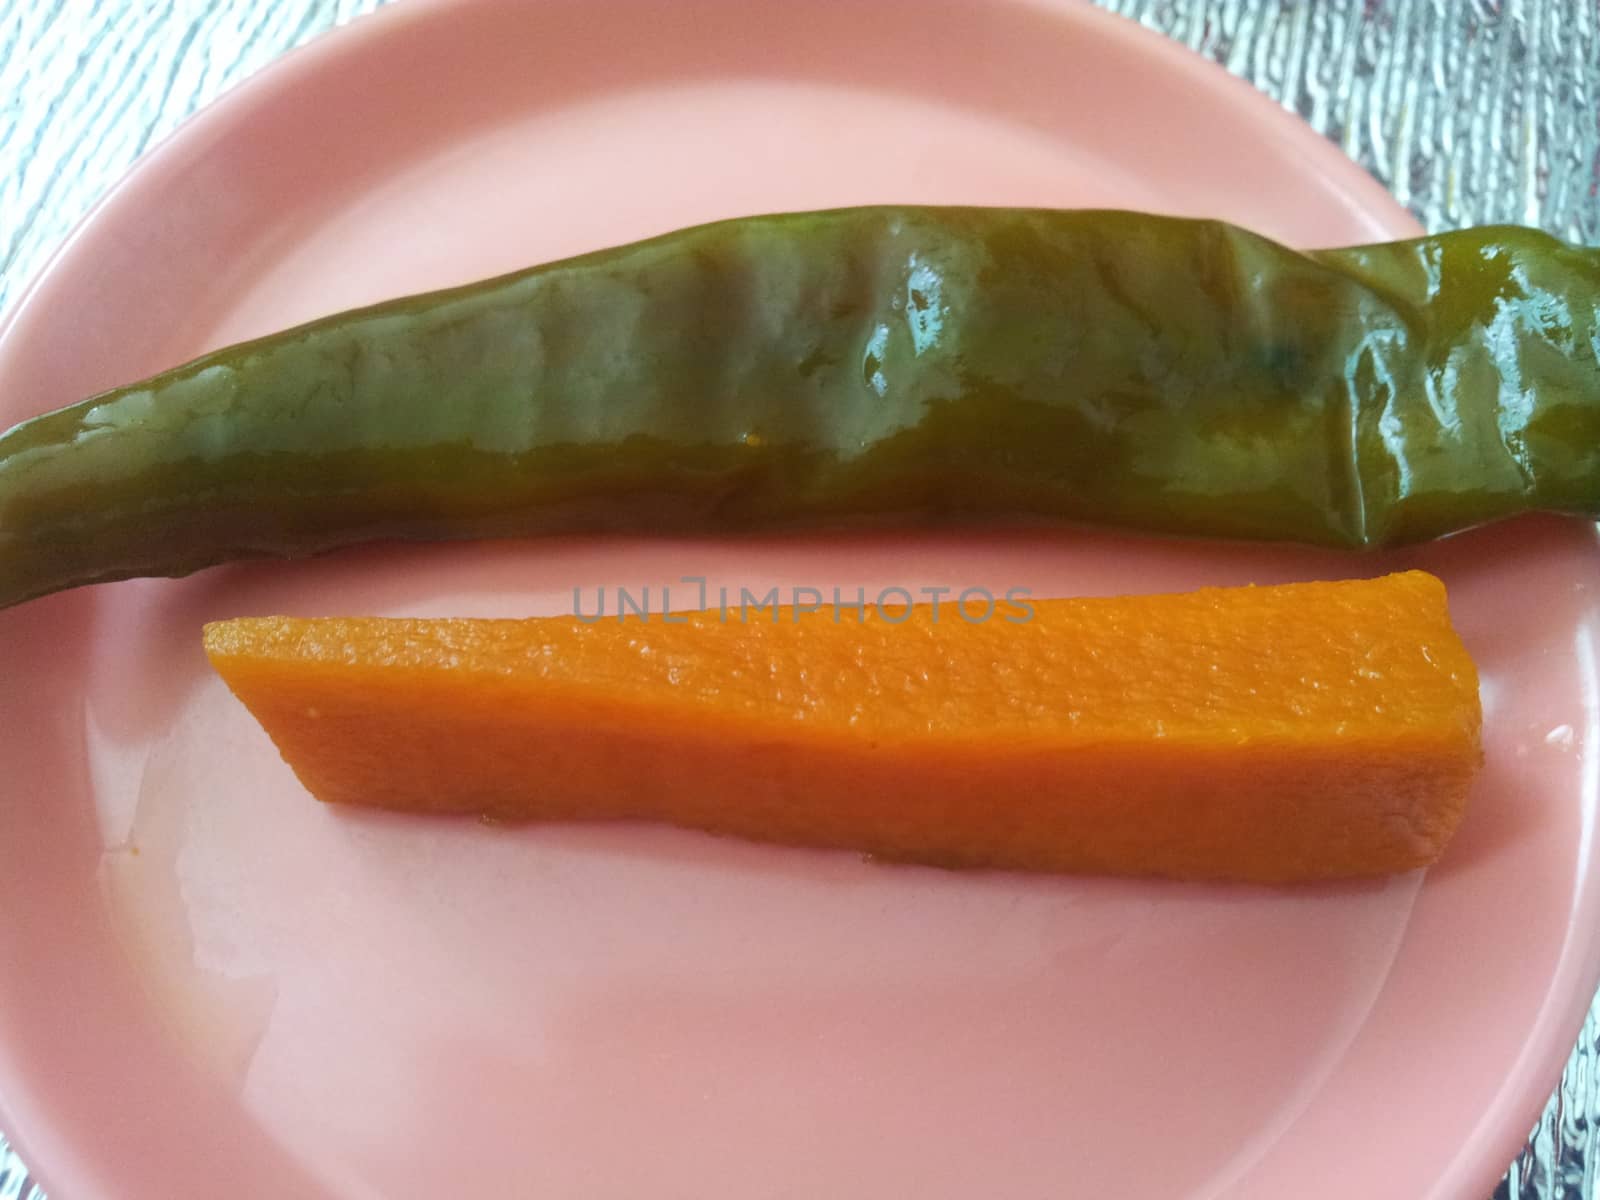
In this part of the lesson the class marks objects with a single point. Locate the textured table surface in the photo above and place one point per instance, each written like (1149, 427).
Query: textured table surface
(1470, 112)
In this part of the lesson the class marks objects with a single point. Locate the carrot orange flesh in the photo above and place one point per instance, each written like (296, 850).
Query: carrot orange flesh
(1305, 731)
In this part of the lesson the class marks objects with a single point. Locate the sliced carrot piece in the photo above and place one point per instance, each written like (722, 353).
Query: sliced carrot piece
(1307, 731)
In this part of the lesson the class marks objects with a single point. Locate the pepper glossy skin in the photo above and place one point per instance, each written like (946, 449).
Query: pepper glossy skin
(917, 364)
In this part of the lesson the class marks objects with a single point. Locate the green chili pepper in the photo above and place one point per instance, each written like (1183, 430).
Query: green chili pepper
(903, 363)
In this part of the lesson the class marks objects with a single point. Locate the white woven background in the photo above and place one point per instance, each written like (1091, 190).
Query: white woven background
(1471, 111)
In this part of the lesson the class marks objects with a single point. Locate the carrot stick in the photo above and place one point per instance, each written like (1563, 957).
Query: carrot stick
(1274, 734)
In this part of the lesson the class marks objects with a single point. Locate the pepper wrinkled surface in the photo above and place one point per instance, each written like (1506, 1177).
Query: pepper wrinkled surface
(812, 369)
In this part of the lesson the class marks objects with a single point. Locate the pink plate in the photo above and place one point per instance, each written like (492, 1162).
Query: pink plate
(212, 986)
